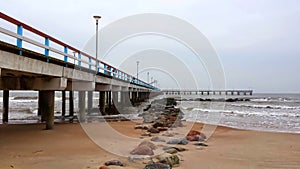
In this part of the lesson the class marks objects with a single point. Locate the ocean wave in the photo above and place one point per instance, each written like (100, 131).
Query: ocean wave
(275, 99)
(267, 106)
(25, 98)
(245, 113)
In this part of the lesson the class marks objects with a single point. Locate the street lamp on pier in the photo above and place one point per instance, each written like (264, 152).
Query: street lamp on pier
(97, 17)
(137, 70)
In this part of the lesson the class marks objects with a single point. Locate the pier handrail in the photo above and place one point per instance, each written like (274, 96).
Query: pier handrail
(92, 61)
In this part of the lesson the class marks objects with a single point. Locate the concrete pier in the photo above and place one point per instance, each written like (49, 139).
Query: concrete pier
(39, 71)
(5, 106)
(47, 107)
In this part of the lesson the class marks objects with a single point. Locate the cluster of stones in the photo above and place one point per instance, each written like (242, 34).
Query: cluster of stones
(159, 117)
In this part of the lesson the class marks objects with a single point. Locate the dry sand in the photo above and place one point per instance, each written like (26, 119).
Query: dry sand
(28, 146)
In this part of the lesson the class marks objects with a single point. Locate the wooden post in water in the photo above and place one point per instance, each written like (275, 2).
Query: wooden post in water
(5, 106)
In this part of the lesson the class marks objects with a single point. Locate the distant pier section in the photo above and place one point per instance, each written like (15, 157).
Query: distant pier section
(208, 92)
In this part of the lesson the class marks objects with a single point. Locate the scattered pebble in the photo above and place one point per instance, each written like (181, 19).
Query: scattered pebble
(171, 151)
(157, 139)
(103, 167)
(201, 144)
(114, 162)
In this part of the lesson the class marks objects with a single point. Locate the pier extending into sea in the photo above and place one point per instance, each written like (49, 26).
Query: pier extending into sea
(71, 70)
(208, 92)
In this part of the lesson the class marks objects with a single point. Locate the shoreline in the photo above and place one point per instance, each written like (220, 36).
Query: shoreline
(68, 146)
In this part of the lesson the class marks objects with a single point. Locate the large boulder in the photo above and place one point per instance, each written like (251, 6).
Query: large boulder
(148, 144)
(194, 135)
(149, 118)
(142, 150)
(153, 130)
(153, 165)
(180, 149)
(169, 159)
(182, 141)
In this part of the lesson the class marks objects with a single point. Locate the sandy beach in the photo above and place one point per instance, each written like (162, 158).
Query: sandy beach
(68, 146)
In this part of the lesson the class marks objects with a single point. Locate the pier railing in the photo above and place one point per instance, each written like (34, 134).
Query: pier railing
(50, 49)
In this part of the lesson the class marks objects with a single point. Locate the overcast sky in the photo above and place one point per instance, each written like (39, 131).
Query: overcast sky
(257, 40)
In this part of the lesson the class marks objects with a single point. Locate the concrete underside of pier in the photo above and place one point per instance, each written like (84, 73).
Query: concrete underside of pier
(31, 71)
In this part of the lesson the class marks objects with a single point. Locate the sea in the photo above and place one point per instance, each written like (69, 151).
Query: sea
(262, 112)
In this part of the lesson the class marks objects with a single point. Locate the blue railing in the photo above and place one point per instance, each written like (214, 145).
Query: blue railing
(79, 58)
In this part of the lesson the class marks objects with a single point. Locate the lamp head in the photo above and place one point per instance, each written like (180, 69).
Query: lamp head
(97, 17)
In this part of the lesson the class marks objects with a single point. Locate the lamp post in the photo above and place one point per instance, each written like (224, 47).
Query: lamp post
(97, 17)
(148, 77)
(137, 70)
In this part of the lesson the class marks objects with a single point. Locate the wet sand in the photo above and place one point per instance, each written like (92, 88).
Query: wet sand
(28, 146)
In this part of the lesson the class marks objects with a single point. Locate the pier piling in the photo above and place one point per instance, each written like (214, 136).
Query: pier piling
(82, 106)
(102, 102)
(5, 106)
(63, 109)
(46, 100)
(90, 102)
(71, 103)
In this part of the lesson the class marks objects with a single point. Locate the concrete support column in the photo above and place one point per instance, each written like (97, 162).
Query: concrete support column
(47, 107)
(134, 97)
(124, 97)
(71, 103)
(39, 103)
(63, 108)
(140, 96)
(147, 95)
(82, 112)
(41, 112)
(109, 98)
(102, 102)
(115, 97)
(130, 97)
(90, 102)
(5, 106)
